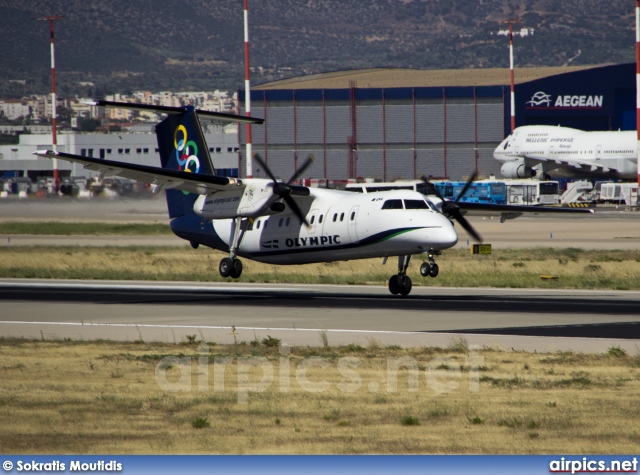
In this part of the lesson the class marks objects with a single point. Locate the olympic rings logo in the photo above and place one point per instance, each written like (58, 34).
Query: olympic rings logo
(186, 151)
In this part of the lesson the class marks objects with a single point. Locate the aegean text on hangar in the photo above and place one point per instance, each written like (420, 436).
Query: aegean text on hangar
(399, 124)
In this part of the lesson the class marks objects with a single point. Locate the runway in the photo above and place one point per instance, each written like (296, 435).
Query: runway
(519, 319)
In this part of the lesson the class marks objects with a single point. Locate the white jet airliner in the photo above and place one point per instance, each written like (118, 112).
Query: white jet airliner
(548, 152)
(283, 223)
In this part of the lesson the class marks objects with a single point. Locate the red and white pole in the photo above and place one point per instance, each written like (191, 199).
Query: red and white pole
(638, 83)
(511, 72)
(54, 123)
(247, 92)
(513, 85)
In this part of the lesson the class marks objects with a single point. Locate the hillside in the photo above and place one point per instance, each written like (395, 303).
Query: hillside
(173, 44)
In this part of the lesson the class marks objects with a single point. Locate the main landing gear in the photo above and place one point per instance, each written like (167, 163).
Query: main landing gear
(400, 283)
(231, 266)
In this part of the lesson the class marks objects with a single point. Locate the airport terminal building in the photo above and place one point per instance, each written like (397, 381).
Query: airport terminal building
(359, 124)
(137, 145)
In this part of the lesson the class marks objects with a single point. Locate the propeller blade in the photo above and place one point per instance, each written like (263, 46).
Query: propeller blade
(258, 159)
(283, 190)
(426, 180)
(467, 226)
(300, 170)
(295, 208)
(466, 185)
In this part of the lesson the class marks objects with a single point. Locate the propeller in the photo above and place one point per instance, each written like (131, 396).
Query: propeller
(451, 208)
(285, 190)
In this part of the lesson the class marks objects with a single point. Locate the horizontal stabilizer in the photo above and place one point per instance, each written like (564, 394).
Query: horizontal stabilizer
(178, 110)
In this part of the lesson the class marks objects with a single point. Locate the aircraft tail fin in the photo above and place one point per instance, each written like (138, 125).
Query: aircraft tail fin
(182, 147)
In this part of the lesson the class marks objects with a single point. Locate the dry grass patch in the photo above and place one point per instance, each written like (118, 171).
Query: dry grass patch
(574, 268)
(105, 397)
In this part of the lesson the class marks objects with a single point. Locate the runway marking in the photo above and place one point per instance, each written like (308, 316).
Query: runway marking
(208, 327)
(217, 327)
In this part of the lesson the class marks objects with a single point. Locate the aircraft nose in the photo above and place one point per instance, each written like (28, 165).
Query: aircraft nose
(447, 236)
(501, 150)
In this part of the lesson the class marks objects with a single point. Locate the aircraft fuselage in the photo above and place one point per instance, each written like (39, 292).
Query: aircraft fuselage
(343, 226)
(567, 152)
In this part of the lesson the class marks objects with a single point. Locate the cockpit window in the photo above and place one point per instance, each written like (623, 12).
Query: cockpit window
(392, 204)
(432, 206)
(415, 204)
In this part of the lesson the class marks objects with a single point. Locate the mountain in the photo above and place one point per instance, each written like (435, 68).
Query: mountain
(121, 45)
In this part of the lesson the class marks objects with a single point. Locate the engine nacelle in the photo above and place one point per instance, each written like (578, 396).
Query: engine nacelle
(517, 169)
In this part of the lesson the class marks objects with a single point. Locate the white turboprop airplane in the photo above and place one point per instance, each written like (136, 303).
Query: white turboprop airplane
(282, 223)
(547, 151)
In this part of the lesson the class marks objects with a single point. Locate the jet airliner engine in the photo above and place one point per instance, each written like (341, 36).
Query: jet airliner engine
(517, 169)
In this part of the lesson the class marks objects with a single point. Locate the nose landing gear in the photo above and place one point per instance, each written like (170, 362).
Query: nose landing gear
(429, 269)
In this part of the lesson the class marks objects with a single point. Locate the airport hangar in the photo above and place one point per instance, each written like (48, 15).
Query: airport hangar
(392, 124)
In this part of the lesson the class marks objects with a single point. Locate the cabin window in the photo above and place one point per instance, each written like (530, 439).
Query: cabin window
(341, 217)
(313, 218)
(353, 215)
(280, 222)
(266, 223)
(288, 221)
(392, 204)
(335, 217)
(415, 204)
(320, 220)
(258, 225)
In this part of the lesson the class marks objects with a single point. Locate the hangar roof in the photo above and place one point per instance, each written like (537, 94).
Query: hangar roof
(387, 78)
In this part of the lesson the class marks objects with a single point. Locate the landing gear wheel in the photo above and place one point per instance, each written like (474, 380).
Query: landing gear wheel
(424, 269)
(394, 285)
(433, 271)
(405, 286)
(226, 267)
(237, 268)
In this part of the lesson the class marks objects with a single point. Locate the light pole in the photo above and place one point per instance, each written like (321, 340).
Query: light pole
(51, 19)
(513, 88)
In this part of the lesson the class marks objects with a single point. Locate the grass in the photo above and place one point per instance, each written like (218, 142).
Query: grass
(574, 268)
(55, 228)
(104, 397)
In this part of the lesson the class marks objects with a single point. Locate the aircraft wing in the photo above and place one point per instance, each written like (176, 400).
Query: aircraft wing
(161, 177)
(520, 208)
(577, 165)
